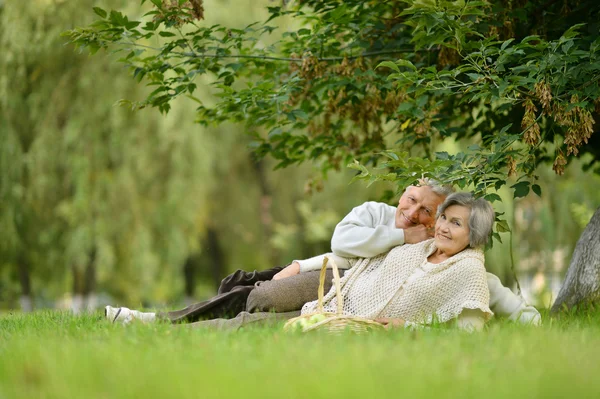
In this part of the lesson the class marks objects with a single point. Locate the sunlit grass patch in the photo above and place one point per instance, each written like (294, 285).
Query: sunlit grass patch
(57, 355)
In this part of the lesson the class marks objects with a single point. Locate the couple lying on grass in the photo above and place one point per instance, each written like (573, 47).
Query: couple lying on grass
(395, 273)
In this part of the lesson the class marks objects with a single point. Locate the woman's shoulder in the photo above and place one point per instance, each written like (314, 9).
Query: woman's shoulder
(419, 249)
(471, 257)
(426, 246)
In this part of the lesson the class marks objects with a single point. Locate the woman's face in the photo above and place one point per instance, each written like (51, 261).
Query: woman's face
(452, 230)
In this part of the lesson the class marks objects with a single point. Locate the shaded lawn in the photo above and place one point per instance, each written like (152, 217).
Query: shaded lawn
(57, 355)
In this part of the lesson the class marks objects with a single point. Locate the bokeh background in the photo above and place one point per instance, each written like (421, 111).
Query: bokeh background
(103, 205)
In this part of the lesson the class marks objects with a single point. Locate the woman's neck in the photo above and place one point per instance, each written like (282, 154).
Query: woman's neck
(437, 256)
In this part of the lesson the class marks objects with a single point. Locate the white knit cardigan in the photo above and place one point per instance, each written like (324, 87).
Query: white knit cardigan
(382, 287)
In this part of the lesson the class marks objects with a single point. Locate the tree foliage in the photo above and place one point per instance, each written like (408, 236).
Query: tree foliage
(372, 83)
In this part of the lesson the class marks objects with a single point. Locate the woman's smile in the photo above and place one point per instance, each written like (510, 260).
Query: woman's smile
(443, 236)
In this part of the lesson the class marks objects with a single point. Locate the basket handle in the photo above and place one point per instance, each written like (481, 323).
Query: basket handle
(336, 282)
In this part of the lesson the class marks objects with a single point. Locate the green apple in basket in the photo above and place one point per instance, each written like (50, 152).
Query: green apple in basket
(314, 319)
(300, 324)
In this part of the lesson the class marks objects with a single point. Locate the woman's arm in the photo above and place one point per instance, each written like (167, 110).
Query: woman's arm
(469, 320)
(391, 322)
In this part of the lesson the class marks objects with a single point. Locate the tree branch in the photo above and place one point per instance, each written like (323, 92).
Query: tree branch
(273, 58)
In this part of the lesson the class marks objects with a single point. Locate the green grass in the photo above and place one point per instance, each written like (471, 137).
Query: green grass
(57, 355)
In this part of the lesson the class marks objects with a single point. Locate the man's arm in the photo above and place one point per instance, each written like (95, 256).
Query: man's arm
(370, 229)
(314, 263)
(367, 231)
(503, 302)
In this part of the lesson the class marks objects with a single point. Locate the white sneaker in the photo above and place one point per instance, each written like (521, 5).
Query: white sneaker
(123, 315)
(126, 315)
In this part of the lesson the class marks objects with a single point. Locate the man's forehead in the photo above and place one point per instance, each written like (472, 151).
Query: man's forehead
(426, 195)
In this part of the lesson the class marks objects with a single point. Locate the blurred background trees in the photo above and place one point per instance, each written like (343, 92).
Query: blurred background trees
(89, 190)
(98, 198)
(150, 208)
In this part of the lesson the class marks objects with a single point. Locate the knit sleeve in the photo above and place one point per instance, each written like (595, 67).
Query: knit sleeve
(477, 295)
(367, 231)
(469, 320)
(473, 294)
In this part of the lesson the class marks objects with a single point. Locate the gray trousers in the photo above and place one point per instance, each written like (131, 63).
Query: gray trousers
(272, 301)
(244, 319)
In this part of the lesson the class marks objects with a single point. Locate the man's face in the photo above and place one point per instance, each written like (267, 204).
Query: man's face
(417, 205)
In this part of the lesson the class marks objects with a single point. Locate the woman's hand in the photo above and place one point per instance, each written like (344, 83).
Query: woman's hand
(389, 322)
(289, 271)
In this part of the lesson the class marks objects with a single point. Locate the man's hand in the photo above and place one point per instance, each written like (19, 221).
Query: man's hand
(289, 271)
(413, 235)
(390, 322)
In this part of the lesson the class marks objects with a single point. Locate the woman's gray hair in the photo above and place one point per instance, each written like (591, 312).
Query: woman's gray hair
(481, 218)
(436, 187)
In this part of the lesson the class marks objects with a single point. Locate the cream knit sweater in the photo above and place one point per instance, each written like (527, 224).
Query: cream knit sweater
(386, 286)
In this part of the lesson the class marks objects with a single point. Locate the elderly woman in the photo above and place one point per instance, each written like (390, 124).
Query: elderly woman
(441, 279)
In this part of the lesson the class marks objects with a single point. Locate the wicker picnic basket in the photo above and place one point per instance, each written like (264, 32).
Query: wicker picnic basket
(331, 322)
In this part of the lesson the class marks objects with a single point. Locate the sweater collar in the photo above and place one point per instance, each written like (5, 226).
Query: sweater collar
(429, 248)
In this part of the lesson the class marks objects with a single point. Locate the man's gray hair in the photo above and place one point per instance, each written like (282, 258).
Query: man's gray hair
(481, 218)
(436, 187)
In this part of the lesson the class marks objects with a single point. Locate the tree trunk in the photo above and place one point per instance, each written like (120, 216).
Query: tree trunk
(266, 216)
(89, 284)
(25, 300)
(189, 277)
(84, 286)
(77, 300)
(582, 282)
(215, 255)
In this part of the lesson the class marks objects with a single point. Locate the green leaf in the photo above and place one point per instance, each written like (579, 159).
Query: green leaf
(100, 12)
(528, 39)
(572, 31)
(493, 197)
(389, 64)
(166, 34)
(339, 13)
(275, 132)
(406, 63)
(537, 189)
(474, 76)
(521, 189)
(132, 24)
(497, 237)
(442, 155)
(502, 226)
(505, 129)
(506, 43)
(117, 18)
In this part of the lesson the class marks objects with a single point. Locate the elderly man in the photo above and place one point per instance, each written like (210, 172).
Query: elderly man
(374, 228)
(368, 230)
